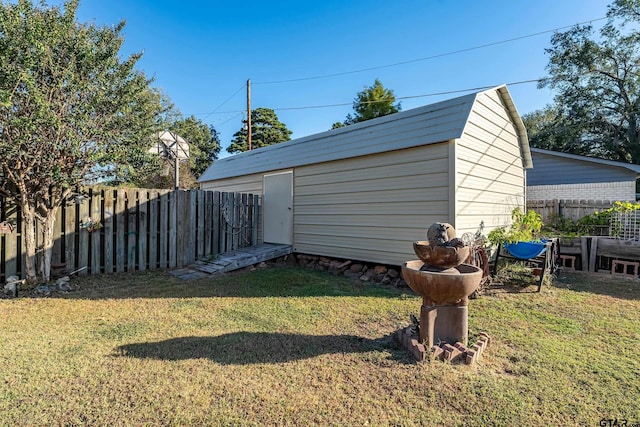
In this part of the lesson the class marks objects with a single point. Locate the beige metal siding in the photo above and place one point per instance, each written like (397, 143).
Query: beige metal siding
(373, 207)
(239, 184)
(490, 178)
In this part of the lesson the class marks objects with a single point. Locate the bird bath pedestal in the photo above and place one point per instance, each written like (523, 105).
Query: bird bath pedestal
(445, 300)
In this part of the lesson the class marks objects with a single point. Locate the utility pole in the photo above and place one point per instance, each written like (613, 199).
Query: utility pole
(249, 114)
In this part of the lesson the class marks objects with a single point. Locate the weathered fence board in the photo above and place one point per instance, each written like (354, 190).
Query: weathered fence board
(96, 211)
(121, 218)
(83, 239)
(163, 238)
(139, 229)
(108, 231)
(70, 223)
(153, 229)
(551, 210)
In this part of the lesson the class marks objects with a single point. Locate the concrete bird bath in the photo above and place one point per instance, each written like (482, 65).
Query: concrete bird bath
(445, 283)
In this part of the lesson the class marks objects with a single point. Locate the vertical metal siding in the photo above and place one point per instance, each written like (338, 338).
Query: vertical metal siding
(490, 175)
(371, 208)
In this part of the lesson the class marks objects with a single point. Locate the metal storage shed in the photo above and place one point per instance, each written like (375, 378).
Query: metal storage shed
(366, 191)
(569, 176)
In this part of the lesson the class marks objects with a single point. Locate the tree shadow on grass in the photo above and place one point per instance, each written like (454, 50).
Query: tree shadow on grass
(245, 348)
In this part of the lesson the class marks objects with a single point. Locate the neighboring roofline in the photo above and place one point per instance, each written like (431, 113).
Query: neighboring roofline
(630, 166)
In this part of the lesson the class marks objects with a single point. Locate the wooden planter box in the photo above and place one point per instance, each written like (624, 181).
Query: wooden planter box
(613, 248)
(577, 247)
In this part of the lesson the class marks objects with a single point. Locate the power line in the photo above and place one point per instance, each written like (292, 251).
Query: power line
(237, 113)
(449, 92)
(440, 55)
(475, 89)
(219, 106)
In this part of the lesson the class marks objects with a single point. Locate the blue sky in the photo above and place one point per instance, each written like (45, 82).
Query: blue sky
(201, 53)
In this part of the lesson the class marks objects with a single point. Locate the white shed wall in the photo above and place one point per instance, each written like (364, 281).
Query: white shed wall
(490, 179)
(372, 207)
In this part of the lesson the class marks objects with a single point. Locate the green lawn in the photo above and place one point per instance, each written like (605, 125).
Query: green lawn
(285, 346)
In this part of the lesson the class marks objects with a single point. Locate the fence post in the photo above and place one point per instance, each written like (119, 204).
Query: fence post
(191, 212)
(215, 238)
(256, 218)
(200, 228)
(173, 225)
(121, 217)
(245, 234)
(56, 253)
(228, 219)
(108, 229)
(163, 226)
(153, 229)
(70, 233)
(143, 235)
(95, 213)
(83, 235)
(593, 254)
(132, 230)
(182, 226)
(208, 221)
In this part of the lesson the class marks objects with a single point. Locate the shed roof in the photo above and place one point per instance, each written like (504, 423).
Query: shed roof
(439, 122)
(629, 166)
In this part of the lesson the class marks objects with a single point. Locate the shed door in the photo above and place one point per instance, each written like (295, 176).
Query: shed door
(277, 207)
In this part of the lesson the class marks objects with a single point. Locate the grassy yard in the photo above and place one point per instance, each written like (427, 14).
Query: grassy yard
(286, 346)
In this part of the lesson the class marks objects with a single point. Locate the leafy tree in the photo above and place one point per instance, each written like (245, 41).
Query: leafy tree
(549, 129)
(374, 101)
(266, 129)
(598, 84)
(68, 104)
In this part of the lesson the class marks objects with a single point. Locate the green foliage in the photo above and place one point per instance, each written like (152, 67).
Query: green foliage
(597, 79)
(374, 101)
(561, 226)
(70, 103)
(266, 129)
(523, 228)
(549, 129)
(69, 106)
(590, 223)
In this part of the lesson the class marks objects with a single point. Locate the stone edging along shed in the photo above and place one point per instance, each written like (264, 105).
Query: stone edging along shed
(368, 190)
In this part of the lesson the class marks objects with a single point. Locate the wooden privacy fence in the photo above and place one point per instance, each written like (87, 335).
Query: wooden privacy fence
(116, 230)
(551, 210)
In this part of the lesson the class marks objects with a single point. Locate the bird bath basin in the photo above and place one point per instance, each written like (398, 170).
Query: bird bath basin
(448, 286)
